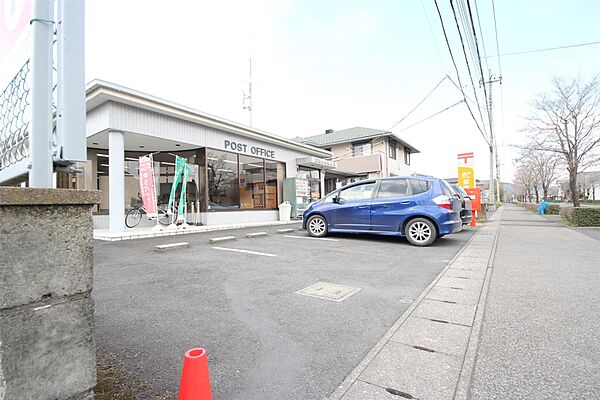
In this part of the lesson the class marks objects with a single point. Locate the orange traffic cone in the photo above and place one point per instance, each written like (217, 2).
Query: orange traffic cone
(195, 382)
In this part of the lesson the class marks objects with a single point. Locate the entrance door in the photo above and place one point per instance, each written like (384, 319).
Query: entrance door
(352, 210)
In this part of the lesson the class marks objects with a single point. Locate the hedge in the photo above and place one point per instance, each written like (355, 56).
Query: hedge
(553, 209)
(581, 216)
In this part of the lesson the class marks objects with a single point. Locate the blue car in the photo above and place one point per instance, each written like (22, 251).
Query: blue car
(421, 209)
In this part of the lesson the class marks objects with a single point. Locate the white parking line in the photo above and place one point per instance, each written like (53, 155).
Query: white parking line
(246, 251)
(310, 238)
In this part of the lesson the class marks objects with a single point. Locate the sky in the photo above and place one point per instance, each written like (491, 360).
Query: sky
(320, 65)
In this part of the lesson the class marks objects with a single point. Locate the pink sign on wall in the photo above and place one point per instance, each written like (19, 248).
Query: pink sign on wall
(147, 186)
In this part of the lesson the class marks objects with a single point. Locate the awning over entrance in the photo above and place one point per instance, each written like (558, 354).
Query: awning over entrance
(316, 162)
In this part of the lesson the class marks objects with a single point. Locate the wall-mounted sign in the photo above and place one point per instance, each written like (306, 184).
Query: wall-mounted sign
(247, 149)
(466, 176)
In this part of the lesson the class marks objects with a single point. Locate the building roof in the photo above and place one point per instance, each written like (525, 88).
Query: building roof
(99, 92)
(353, 135)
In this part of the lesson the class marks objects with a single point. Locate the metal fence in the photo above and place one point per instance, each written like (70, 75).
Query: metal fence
(15, 116)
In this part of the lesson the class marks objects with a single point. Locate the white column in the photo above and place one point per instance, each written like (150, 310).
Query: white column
(116, 181)
(41, 95)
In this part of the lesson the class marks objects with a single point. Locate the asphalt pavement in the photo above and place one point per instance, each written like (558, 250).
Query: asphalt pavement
(238, 300)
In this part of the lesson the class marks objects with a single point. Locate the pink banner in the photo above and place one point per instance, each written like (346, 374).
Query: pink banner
(147, 188)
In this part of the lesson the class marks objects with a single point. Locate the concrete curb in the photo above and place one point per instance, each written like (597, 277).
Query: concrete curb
(221, 239)
(462, 389)
(256, 235)
(358, 370)
(171, 246)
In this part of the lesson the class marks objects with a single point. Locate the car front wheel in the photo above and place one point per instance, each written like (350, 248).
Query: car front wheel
(420, 232)
(316, 226)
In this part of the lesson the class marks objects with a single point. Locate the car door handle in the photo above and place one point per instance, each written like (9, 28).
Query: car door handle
(405, 202)
(363, 206)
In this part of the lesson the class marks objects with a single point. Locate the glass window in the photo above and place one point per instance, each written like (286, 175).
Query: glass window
(275, 175)
(223, 186)
(392, 188)
(446, 189)
(358, 192)
(392, 151)
(406, 156)
(419, 186)
(252, 182)
(362, 149)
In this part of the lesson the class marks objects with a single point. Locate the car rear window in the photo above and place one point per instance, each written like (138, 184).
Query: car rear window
(419, 186)
(446, 189)
(392, 188)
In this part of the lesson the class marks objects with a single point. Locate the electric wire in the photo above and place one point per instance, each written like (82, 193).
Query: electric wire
(432, 115)
(459, 86)
(421, 102)
(546, 49)
(462, 43)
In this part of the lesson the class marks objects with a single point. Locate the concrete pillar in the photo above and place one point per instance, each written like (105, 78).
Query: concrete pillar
(116, 179)
(47, 346)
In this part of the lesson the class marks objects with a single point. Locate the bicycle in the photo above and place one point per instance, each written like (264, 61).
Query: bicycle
(134, 216)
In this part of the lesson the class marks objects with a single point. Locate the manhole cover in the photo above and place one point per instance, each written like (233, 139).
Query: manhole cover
(329, 291)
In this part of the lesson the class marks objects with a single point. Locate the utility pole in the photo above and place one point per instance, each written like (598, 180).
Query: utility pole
(494, 188)
(249, 96)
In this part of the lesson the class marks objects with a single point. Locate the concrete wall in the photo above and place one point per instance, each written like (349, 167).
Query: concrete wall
(47, 347)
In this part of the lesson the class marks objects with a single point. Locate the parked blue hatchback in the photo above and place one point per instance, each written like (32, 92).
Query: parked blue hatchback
(420, 208)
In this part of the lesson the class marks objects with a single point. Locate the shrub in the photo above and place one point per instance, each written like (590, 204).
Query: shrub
(552, 209)
(581, 216)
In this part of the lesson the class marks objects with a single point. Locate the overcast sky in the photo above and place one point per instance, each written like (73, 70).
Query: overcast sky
(338, 64)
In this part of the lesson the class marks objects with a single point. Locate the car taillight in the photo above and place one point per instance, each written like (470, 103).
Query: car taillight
(443, 201)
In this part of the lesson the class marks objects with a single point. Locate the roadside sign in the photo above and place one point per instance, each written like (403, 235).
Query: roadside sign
(466, 176)
(147, 185)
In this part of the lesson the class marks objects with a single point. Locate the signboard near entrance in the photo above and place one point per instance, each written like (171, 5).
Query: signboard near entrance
(147, 186)
(466, 176)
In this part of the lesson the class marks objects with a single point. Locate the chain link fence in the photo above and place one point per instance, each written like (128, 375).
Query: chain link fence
(15, 117)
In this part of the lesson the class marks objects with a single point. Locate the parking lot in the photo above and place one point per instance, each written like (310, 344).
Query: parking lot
(238, 300)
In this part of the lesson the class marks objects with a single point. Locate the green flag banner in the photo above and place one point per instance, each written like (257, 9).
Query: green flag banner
(180, 163)
(181, 209)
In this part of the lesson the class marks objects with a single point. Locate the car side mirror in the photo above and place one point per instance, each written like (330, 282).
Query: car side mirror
(336, 200)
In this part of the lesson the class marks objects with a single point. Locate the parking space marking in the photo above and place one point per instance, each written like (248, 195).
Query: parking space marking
(310, 238)
(245, 251)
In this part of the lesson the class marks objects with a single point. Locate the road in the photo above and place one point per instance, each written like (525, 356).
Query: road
(264, 341)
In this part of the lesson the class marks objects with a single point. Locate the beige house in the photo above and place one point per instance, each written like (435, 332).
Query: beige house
(362, 153)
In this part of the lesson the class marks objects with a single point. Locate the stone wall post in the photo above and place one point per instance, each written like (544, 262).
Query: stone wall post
(47, 347)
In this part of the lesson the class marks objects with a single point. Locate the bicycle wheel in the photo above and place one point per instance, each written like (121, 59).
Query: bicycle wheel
(133, 217)
(164, 218)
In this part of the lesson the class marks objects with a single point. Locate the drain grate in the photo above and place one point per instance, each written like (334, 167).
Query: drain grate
(329, 291)
(400, 393)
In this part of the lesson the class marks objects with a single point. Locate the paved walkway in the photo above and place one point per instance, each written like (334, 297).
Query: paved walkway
(514, 315)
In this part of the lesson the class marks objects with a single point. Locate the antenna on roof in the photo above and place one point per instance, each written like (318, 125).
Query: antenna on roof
(248, 97)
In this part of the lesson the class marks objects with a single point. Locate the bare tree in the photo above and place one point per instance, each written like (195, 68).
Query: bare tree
(566, 122)
(544, 165)
(527, 179)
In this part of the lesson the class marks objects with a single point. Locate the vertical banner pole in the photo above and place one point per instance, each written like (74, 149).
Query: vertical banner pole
(40, 138)
(70, 119)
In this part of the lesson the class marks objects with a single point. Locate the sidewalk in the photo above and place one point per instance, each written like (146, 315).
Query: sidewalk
(147, 232)
(513, 316)
(540, 337)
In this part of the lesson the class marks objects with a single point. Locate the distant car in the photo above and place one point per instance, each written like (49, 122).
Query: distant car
(466, 212)
(421, 209)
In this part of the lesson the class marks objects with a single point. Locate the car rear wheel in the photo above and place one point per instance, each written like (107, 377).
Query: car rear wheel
(420, 232)
(316, 226)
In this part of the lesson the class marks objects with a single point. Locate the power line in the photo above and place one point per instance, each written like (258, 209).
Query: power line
(462, 43)
(421, 102)
(547, 49)
(457, 74)
(433, 115)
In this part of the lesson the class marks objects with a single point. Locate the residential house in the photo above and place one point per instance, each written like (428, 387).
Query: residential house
(362, 153)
